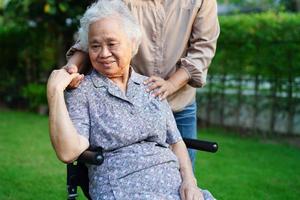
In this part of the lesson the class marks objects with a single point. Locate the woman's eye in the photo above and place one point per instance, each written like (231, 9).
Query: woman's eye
(112, 44)
(95, 46)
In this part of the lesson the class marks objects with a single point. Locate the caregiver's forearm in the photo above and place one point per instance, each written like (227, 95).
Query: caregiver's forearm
(179, 79)
(68, 144)
(78, 59)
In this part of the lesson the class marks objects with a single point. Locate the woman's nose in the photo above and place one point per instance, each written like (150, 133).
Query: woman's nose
(105, 52)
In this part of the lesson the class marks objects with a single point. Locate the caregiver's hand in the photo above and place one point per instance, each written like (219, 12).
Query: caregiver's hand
(71, 69)
(161, 88)
(59, 80)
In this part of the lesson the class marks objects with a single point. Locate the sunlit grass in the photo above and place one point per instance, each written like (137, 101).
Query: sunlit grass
(249, 168)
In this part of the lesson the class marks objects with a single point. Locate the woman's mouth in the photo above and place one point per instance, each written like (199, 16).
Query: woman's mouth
(107, 64)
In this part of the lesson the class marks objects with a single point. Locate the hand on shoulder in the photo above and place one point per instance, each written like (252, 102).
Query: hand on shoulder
(59, 80)
(73, 69)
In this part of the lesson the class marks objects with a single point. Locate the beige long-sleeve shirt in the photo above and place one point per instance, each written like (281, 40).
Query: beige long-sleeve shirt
(176, 34)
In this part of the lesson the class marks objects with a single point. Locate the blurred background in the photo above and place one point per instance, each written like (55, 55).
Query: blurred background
(250, 105)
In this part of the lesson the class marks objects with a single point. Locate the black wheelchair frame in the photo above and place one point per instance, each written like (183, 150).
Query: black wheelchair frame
(77, 172)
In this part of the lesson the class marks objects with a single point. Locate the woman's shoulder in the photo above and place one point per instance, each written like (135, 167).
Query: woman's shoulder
(149, 97)
(82, 88)
(138, 77)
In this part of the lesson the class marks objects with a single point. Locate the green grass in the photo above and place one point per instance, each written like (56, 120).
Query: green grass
(243, 168)
(29, 168)
(249, 168)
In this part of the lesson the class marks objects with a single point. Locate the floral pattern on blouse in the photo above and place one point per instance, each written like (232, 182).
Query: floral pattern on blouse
(135, 131)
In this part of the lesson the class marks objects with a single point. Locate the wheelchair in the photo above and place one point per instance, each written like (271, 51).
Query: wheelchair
(77, 172)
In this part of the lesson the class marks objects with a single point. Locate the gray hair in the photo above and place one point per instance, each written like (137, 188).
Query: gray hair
(108, 8)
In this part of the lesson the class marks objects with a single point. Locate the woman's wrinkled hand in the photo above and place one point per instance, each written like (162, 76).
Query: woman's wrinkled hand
(161, 88)
(190, 191)
(71, 69)
(59, 80)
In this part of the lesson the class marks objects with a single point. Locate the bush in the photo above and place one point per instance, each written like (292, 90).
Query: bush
(254, 78)
(26, 57)
(267, 44)
(35, 95)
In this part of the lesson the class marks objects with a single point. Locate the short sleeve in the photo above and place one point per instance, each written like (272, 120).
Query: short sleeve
(173, 134)
(78, 109)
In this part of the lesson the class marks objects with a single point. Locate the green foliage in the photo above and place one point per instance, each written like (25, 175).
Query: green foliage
(251, 2)
(47, 18)
(34, 36)
(264, 44)
(35, 94)
(46, 13)
(26, 57)
(256, 5)
(12, 42)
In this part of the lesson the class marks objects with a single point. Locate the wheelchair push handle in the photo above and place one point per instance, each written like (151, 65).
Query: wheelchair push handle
(201, 145)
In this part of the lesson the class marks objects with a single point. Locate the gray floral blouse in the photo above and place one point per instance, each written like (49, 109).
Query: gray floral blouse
(135, 130)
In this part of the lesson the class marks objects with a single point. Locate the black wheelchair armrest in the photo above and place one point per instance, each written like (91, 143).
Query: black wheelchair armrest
(77, 172)
(201, 145)
(95, 157)
(92, 157)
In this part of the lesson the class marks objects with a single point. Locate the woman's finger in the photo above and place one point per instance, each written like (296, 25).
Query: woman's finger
(198, 195)
(164, 95)
(74, 76)
(201, 195)
(80, 80)
(188, 195)
(60, 79)
(153, 86)
(182, 194)
(71, 68)
(159, 92)
(69, 78)
(76, 84)
(75, 81)
(151, 79)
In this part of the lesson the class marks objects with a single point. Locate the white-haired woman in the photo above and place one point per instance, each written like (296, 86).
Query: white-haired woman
(179, 42)
(144, 155)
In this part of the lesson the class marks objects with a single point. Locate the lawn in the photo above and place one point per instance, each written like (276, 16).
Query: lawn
(243, 168)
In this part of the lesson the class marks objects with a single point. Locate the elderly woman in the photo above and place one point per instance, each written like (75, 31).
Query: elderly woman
(145, 157)
(179, 42)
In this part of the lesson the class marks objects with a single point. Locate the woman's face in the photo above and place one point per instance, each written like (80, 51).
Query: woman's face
(109, 47)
